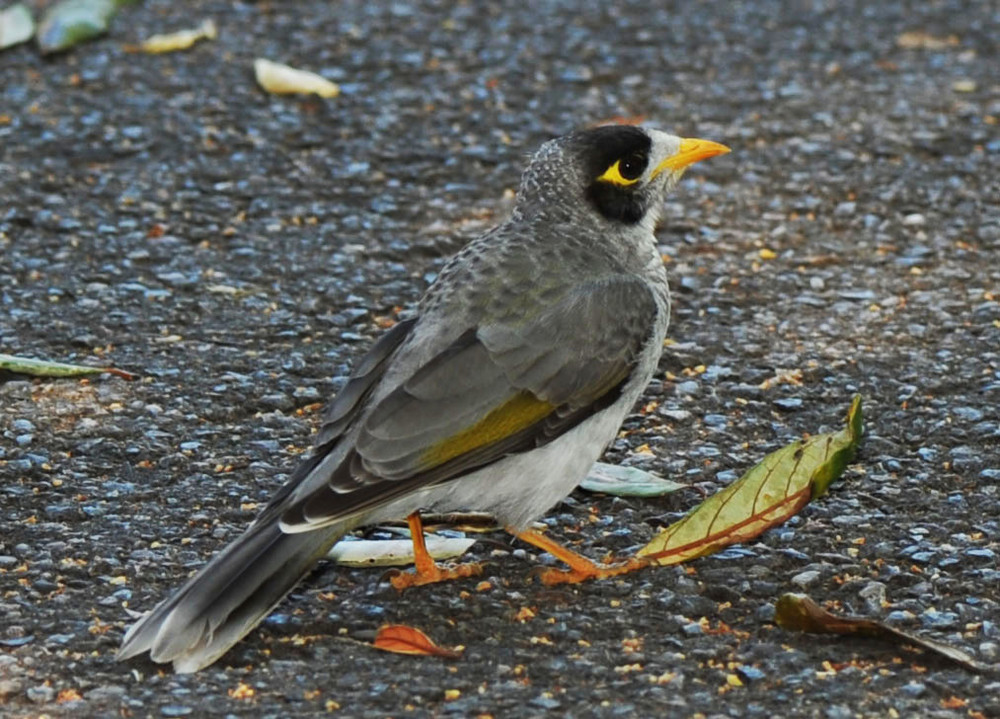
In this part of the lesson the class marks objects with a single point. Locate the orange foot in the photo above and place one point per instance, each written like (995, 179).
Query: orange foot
(426, 570)
(580, 568)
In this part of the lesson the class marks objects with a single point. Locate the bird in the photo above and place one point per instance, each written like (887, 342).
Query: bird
(515, 372)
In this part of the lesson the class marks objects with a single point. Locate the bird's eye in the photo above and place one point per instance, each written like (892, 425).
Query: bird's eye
(625, 171)
(631, 167)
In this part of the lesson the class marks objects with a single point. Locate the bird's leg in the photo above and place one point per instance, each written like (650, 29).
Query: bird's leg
(580, 568)
(426, 570)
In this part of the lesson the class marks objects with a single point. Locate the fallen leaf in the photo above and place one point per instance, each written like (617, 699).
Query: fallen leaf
(764, 497)
(282, 80)
(180, 40)
(42, 368)
(798, 612)
(401, 639)
(621, 481)
(394, 552)
(16, 25)
(71, 22)
(920, 40)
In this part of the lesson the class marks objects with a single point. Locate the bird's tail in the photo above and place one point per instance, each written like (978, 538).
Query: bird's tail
(238, 588)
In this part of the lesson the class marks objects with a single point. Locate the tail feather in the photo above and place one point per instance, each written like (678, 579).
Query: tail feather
(229, 596)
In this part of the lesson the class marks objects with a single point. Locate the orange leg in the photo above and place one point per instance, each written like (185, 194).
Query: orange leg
(426, 570)
(580, 568)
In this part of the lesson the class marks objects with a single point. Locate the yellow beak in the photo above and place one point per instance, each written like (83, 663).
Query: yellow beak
(691, 151)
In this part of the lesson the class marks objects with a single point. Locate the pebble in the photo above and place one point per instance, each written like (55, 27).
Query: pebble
(914, 220)
(176, 710)
(874, 596)
(9, 687)
(933, 619)
(41, 694)
(806, 579)
(900, 616)
(845, 209)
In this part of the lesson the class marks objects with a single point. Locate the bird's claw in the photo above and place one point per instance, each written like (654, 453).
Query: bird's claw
(418, 577)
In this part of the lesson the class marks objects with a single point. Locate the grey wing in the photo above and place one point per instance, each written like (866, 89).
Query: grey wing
(500, 388)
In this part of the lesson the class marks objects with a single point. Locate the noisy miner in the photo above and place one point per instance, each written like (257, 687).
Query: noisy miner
(521, 363)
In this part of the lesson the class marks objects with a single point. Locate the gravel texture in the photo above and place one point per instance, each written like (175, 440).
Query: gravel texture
(240, 251)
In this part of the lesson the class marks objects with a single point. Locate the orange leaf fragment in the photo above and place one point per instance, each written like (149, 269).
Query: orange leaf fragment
(402, 639)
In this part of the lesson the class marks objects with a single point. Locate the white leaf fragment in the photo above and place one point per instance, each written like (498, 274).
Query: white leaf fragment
(283, 80)
(180, 40)
(16, 25)
(621, 481)
(394, 552)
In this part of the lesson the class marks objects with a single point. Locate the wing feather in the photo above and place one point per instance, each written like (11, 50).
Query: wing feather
(500, 388)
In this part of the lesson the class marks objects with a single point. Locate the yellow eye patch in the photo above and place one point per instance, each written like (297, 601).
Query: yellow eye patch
(614, 175)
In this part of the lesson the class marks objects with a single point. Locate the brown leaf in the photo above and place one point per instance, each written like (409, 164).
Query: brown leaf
(797, 612)
(402, 639)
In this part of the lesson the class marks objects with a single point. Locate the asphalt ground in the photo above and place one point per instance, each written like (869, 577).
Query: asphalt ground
(239, 251)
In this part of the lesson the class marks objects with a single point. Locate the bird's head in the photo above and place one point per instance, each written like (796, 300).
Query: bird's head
(620, 172)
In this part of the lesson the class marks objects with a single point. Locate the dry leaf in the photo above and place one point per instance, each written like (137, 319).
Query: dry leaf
(180, 40)
(402, 639)
(764, 497)
(920, 40)
(798, 612)
(283, 80)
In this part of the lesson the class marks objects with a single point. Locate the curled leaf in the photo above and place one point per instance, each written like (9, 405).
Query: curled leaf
(621, 481)
(798, 612)
(764, 497)
(180, 40)
(41, 368)
(71, 22)
(401, 639)
(395, 552)
(16, 25)
(283, 80)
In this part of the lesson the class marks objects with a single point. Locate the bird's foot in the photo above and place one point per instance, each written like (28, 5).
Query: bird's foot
(580, 568)
(434, 573)
(426, 570)
(583, 571)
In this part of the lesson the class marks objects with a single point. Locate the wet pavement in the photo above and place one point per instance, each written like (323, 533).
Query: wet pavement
(240, 251)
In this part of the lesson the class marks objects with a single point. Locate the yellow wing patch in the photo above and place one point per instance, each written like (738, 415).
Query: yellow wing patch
(614, 175)
(514, 415)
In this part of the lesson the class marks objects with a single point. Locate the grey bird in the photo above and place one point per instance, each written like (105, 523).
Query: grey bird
(523, 359)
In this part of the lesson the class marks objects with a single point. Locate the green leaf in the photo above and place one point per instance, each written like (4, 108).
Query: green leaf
(16, 25)
(627, 482)
(41, 368)
(71, 22)
(764, 497)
